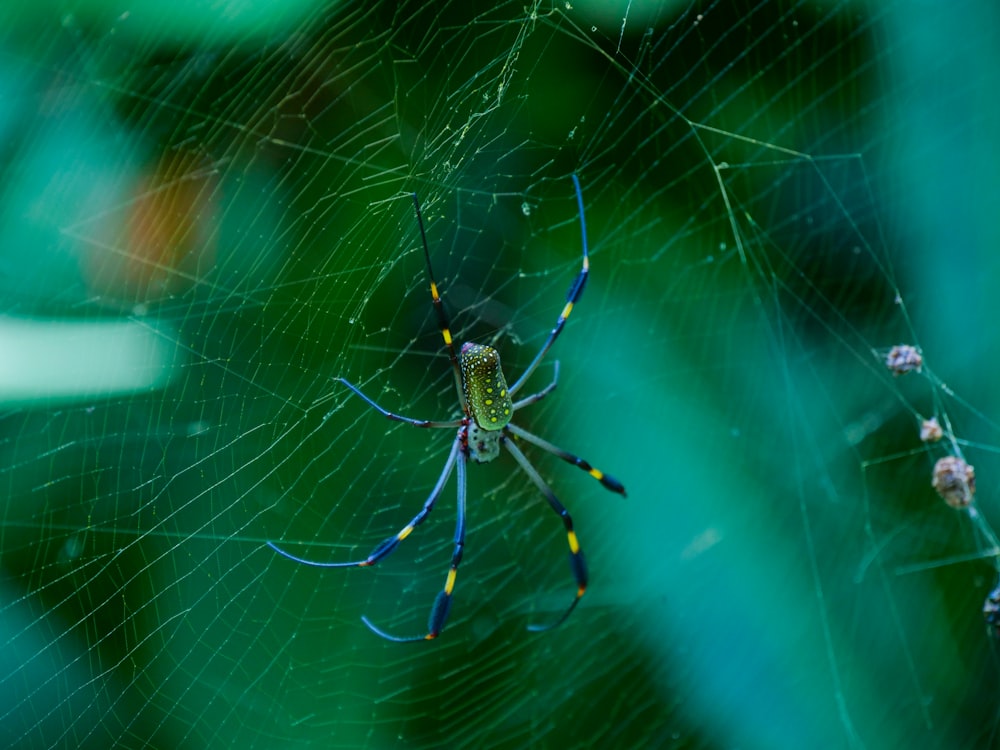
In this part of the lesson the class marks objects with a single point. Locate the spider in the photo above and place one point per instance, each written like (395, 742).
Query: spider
(487, 408)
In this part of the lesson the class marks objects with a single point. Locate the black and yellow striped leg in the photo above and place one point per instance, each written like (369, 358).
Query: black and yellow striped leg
(439, 309)
(390, 544)
(442, 603)
(572, 297)
(607, 480)
(577, 563)
(397, 417)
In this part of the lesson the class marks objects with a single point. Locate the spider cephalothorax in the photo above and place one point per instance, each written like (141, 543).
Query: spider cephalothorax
(487, 408)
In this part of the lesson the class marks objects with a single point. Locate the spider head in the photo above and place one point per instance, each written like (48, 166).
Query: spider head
(484, 385)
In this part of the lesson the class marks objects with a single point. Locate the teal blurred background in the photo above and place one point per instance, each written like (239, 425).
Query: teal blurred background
(206, 218)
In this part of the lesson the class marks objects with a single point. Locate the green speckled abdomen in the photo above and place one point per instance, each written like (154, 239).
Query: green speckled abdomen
(484, 385)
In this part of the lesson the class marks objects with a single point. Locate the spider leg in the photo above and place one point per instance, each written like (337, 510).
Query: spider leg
(577, 563)
(390, 544)
(606, 479)
(536, 397)
(442, 603)
(572, 297)
(442, 316)
(397, 417)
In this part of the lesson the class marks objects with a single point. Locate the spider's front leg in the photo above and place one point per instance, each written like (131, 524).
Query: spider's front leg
(397, 417)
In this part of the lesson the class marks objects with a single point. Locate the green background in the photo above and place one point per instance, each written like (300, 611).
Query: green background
(206, 218)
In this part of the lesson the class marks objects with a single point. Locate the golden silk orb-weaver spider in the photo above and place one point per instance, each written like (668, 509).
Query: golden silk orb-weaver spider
(487, 407)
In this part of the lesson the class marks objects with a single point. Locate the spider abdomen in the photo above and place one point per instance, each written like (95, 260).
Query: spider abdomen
(485, 388)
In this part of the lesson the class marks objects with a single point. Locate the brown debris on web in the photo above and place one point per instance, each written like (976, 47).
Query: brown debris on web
(955, 481)
(902, 359)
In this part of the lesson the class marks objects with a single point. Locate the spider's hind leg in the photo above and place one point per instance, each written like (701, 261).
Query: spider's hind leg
(577, 563)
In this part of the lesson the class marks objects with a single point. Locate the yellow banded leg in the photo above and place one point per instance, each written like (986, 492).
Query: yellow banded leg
(442, 602)
(386, 547)
(577, 563)
(442, 317)
(608, 481)
(572, 296)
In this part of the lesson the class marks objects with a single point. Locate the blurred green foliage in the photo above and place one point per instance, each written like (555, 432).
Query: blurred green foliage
(776, 194)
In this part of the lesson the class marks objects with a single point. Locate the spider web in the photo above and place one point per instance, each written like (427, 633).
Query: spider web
(207, 219)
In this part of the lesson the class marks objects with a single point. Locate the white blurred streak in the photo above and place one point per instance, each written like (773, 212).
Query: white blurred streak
(62, 360)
